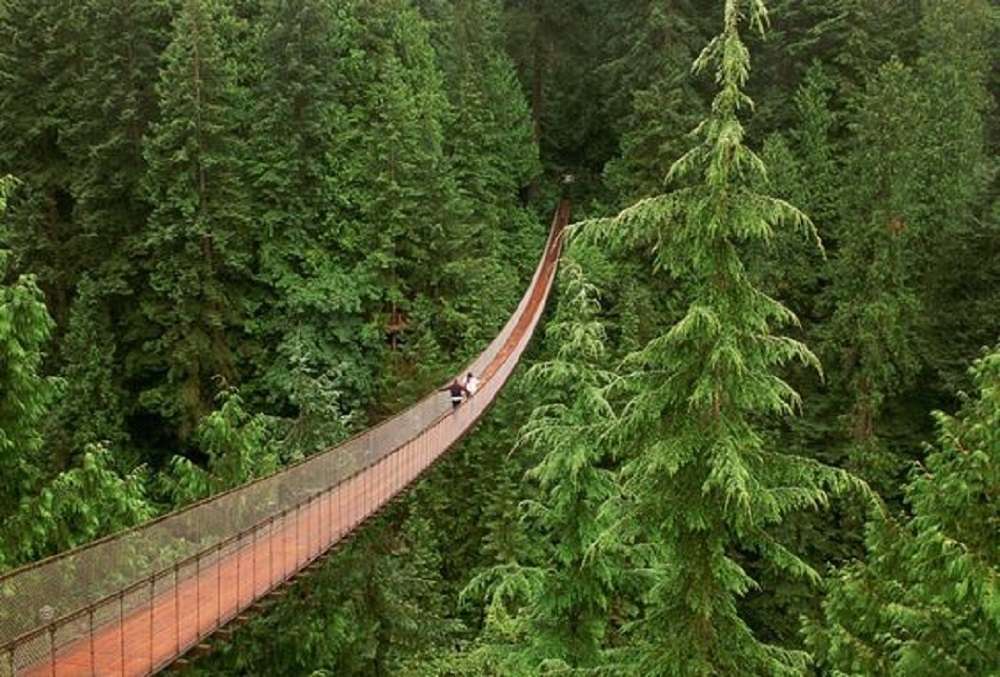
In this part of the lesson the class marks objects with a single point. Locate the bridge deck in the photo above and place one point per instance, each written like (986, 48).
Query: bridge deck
(145, 626)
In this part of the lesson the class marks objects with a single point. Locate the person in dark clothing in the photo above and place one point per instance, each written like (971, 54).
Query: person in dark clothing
(457, 390)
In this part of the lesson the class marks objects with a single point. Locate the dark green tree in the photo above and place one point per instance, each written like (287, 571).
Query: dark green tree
(39, 59)
(318, 307)
(198, 245)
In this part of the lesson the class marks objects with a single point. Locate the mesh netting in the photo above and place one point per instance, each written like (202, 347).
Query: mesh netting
(132, 603)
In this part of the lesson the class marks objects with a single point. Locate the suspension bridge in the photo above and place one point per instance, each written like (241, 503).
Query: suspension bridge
(136, 602)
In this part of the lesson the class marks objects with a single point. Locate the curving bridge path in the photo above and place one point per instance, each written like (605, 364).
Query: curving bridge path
(133, 603)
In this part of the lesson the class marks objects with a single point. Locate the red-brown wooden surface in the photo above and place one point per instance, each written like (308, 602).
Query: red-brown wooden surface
(147, 625)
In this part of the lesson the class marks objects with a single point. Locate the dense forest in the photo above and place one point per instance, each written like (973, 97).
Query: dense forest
(759, 431)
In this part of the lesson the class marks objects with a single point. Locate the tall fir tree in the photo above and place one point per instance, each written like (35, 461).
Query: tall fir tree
(561, 617)
(39, 63)
(318, 309)
(489, 144)
(197, 248)
(701, 489)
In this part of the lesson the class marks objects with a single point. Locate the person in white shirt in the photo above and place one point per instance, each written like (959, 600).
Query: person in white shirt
(471, 384)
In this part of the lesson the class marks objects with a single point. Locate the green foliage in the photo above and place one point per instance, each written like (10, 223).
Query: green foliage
(238, 447)
(324, 204)
(197, 246)
(926, 600)
(38, 56)
(320, 296)
(75, 507)
(92, 410)
(698, 481)
(654, 64)
(551, 608)
(26, 392)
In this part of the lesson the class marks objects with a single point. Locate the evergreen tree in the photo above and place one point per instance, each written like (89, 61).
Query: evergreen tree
(112, 106)
(926, 601)
(93, 409)
(652, 68)
(198, 245)
(562, 622)
(699, 484)
(39, 43)
(875, 326)
(319, 300)
(489, 144)
(953, 71)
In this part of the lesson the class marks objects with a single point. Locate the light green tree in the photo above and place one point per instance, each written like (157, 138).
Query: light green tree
(926, 600)
(701, 487)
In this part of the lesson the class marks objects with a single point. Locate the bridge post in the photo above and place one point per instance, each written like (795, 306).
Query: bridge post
(197, 595)
(218, 585)
(239, 577)
(270, 554)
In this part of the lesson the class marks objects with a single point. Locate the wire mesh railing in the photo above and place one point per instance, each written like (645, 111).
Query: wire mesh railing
(132, 603)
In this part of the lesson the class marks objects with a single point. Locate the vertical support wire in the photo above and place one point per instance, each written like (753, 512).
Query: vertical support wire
(52, 649)
(218, 585)
(121, 627)
(270, 554)
(177, 610)
(239, 557)
(197, 596)
(152, 591)
(319, 522)
(93, 657)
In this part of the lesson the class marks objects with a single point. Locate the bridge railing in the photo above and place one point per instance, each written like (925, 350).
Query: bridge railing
(133, 602)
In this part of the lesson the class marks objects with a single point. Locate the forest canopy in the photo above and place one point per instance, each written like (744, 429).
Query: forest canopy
(758, 432)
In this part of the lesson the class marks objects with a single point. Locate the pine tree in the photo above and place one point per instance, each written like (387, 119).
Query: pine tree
(93, 409)
(39, 58)
(874, 333)
(652, 67)
(319, 301)
(565, 618)
(926, 601)
(197, 247)
(699, 485)
(491, 152)
(955, 173)
(112, 106)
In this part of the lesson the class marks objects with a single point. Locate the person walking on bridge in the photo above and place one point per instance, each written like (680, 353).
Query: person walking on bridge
(471, 383)
(457, 390)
